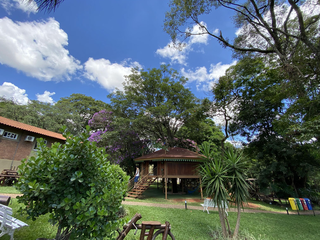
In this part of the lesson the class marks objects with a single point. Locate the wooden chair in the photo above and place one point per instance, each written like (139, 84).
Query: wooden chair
(148, 225)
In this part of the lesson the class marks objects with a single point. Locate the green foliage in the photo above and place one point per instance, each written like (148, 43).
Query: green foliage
(35, 113)
(76, 185)
(269, 113)
(224, 178)
(73, 111)
(155, 103)
(260, 33)
(202, 131)
(79, 109)
(237, 170)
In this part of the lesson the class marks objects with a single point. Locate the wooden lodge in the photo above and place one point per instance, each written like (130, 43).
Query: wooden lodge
(174, 163)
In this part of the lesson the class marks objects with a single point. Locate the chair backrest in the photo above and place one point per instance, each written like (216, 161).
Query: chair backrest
(208, 202)
(5, 215)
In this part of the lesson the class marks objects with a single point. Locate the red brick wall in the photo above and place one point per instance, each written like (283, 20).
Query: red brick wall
(18, 149)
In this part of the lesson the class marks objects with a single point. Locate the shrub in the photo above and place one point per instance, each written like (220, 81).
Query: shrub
(76, 185)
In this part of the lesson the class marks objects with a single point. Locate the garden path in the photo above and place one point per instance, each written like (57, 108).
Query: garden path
(182, 206)
(252, 206)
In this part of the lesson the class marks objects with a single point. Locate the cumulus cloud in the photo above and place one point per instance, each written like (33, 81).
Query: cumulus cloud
(108, 75)
(37, 49)
(175, 53)
(198, 34)
(46, 97)
(178, 52)
(204, 77)
(12, 92)
(24, 5)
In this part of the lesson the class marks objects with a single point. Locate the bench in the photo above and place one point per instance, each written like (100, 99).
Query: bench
(208, 202)
(5, 200)
(8, 223)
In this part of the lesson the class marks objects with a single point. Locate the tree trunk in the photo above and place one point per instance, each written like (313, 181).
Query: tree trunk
(236, 230)
(222, 221)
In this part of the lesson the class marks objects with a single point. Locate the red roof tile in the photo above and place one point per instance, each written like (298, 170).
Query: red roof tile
(30, 128)
(173, 153)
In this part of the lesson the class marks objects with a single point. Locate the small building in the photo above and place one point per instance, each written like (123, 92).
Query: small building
(18, 141)
(173, 163)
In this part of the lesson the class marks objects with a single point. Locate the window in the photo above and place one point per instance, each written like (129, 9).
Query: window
(10, 135)
(36, 145)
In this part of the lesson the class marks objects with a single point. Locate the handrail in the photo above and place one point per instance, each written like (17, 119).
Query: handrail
(130, 184)
(141, 179)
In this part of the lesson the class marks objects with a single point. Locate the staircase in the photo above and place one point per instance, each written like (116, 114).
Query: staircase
(142, 185)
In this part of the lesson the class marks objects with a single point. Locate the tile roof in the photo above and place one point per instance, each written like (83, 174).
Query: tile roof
(173, 153)
(30, 128)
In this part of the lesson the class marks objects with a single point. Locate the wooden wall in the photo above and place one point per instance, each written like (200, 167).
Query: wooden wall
(177, 169)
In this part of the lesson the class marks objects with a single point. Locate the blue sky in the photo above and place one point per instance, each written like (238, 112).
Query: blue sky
(88, 48)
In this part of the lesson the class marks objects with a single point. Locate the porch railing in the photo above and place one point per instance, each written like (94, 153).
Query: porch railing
(143, 177)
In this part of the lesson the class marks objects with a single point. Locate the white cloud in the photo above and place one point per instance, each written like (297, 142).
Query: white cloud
(37, 49)
(12, 92)
(46, 97)
(24, 5)
(178, 52)
(200, 34)
(107, 74)
(202, 75)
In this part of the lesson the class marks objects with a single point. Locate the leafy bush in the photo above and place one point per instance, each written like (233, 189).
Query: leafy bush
(77, 185)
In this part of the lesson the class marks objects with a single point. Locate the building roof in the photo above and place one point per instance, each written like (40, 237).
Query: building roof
(173, 154)
(29, 128)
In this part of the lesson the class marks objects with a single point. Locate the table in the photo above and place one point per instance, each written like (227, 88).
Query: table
(8, 177)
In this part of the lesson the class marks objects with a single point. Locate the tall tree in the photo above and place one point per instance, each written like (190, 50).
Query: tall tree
(35, 113)
(80, 109)
(73, 111)
(156, 103)
(120, 141)
(275, 28)
(203, 131)
(264, 114)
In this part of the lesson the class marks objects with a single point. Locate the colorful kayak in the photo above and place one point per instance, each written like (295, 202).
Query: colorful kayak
(299, 203)
(293, 204)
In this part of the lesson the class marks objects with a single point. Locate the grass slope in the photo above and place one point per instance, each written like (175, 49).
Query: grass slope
(190, 224)
(195, 224)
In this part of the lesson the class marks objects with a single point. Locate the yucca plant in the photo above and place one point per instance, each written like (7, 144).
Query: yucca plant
(224, 178)
(239, 188)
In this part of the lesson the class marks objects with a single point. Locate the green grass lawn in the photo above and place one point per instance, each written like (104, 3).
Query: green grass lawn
(195, 224)
(12, 190)
(191, 224)
(156, 195)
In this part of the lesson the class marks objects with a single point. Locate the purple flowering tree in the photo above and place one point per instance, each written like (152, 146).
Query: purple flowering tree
(121, 143)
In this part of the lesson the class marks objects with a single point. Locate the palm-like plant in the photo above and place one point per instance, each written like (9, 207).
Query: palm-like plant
(214, 176)
(222, 178)
(239, 188)
(47, 5)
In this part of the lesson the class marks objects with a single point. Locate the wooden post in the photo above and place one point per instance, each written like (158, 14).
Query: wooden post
(166, 188)
(201, 189)
(166, 180)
